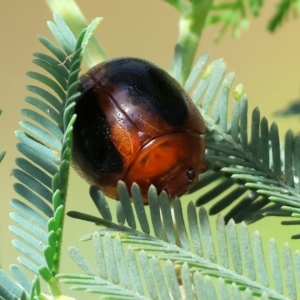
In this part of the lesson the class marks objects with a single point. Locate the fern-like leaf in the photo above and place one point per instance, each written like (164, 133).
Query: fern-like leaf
(284, 7)
(42, 173)
(176, 251)
(232, 15)
(252, 166)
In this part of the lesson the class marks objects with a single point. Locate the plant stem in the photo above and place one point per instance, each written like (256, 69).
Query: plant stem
(191, 24)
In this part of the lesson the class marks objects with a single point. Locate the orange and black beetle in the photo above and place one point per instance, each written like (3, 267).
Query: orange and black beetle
(135, 123)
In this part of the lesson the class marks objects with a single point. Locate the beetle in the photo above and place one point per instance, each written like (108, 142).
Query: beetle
(137, 124)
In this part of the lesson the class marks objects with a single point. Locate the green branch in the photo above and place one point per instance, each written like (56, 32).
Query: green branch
(191, 24)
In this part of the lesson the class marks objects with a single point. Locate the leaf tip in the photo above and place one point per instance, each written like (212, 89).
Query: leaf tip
(238, 92)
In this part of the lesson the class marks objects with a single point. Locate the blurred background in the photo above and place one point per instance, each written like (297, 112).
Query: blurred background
(267, 64)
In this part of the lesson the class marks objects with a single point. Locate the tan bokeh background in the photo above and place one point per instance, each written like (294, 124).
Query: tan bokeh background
(267, 64)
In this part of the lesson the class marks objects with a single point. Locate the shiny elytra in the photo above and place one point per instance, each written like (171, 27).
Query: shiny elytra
(136, 123)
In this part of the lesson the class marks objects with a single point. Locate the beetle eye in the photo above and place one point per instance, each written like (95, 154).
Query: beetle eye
(190, 174)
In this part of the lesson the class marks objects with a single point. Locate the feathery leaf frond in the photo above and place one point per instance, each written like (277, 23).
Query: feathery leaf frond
(251, 166)
(179, 247)
(284, 8)
(234, 15)
(46, 141)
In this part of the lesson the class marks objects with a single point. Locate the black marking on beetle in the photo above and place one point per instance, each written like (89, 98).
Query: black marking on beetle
(149, 86)
(93, 149)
